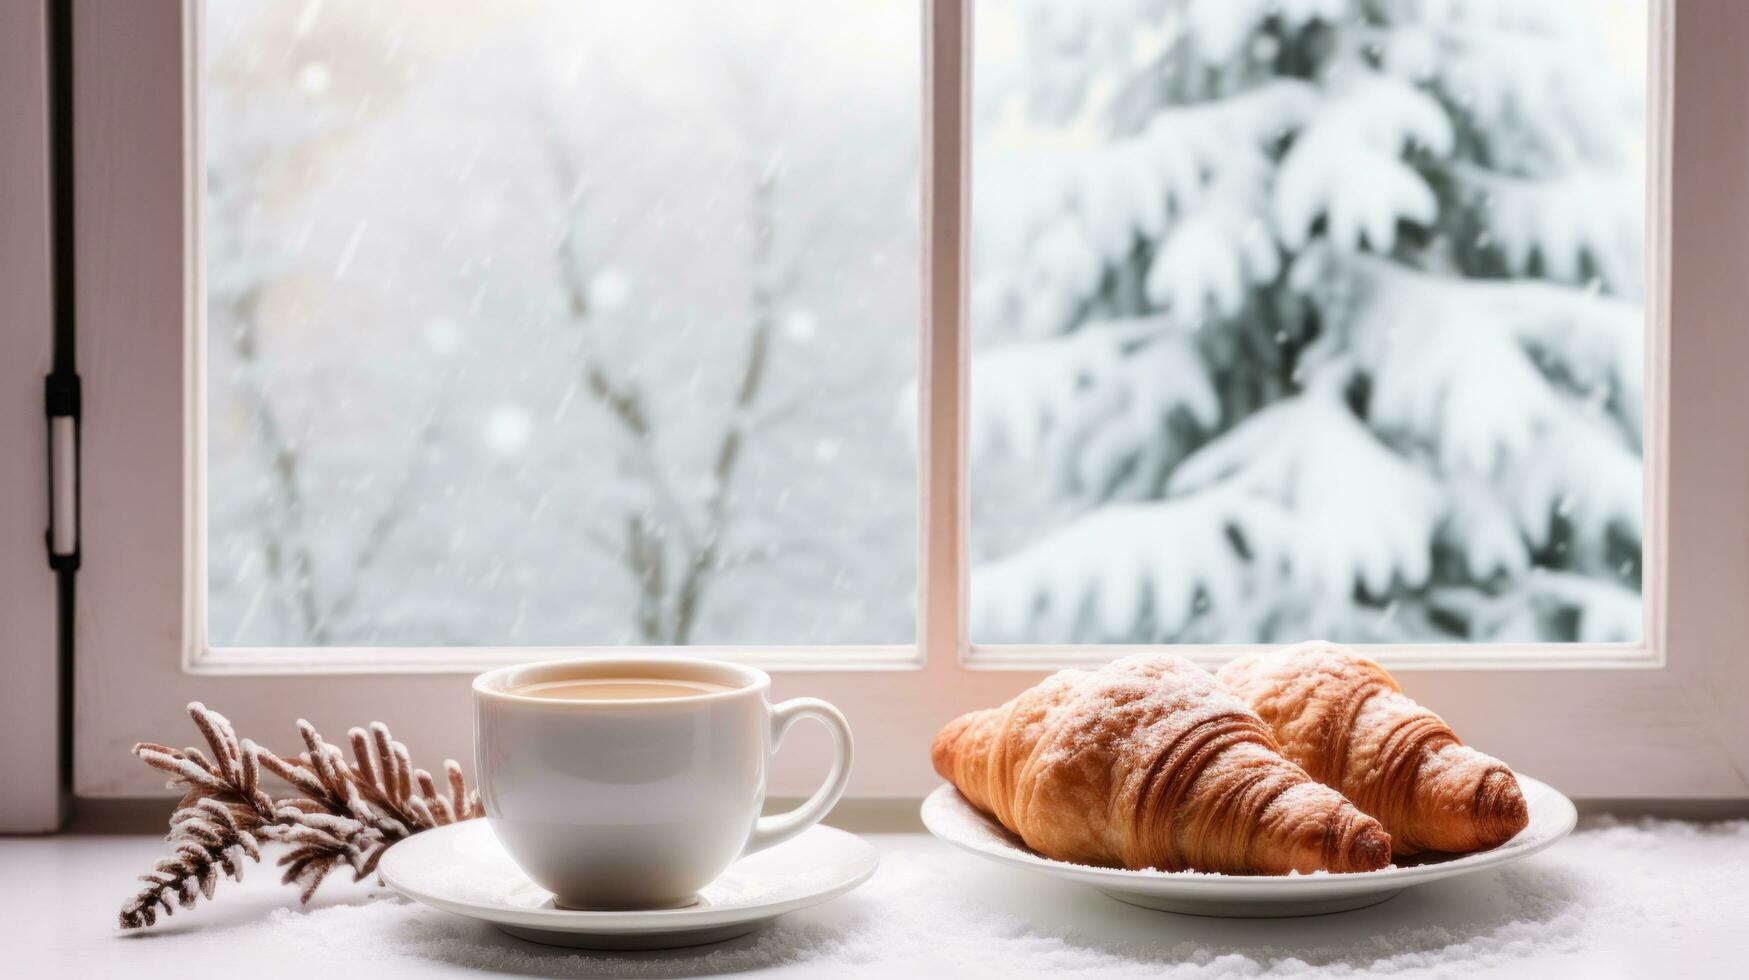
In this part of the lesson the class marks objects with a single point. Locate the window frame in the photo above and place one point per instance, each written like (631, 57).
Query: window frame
(31, 709)
(1616, 720)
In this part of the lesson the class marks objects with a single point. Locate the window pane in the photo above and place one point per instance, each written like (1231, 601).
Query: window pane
(561, 323)
(1308, 318)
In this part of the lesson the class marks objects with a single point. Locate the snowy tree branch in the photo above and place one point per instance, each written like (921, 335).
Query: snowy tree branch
(348, 814)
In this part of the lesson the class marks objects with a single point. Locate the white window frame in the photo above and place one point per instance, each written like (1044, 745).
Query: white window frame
(30, 703)
(1658, 718)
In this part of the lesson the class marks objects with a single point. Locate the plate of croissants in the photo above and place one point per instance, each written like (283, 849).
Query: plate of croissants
(1292, 783)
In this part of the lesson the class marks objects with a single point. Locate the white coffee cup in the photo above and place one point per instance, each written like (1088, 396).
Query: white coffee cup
(622, 804)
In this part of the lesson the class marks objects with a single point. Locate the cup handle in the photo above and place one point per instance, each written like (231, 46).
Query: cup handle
(782, 826)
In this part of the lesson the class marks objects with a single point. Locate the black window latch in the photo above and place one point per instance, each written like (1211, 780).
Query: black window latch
(62, 399)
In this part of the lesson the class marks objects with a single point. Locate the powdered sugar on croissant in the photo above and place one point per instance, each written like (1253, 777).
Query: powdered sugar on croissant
(1149, 763)
(1342, 718)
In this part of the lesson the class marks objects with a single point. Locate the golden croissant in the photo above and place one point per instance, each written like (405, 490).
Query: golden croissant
(1149, 763)
(1342, 718)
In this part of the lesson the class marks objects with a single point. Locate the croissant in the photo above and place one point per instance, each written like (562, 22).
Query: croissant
(1343, 718)
(1148, 763)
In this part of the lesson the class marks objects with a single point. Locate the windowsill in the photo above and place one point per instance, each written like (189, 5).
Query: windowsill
(1620, 898)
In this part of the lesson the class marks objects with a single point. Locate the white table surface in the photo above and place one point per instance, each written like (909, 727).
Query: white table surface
(1648, 898)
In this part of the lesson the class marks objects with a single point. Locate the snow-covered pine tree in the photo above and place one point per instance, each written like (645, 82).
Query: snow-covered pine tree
(1325, 316)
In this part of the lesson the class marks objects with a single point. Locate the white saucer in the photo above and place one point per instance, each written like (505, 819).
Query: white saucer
(462, 868)
(950, 817)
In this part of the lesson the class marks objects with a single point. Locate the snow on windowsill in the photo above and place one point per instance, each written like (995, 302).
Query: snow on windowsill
(1618, 897)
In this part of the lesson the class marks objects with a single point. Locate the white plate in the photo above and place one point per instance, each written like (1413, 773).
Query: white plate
(950, 817)
(462, 868)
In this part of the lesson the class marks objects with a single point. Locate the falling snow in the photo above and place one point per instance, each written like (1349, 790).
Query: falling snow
(508, 429)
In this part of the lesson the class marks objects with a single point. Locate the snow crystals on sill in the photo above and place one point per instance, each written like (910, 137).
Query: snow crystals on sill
(1606, 895)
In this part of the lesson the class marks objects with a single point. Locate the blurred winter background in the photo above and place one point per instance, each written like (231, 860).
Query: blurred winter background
(561, 323)
(1303, 318)
(575, 323)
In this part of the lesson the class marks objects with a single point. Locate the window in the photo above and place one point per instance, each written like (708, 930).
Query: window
(560, 324)
(1296, 321)
(180, 478)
